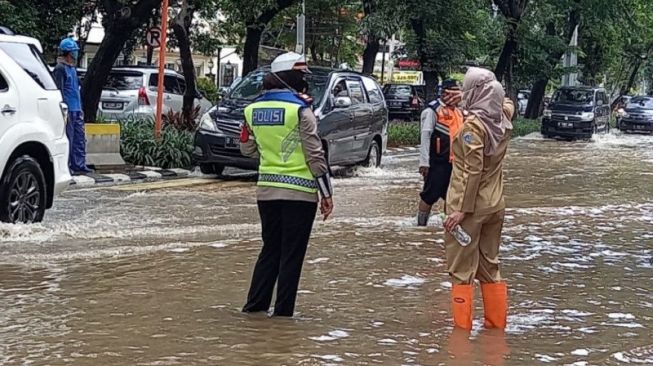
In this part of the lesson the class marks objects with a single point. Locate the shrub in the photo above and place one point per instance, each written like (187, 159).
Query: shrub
(139, 147)
(177, 120)
(209, 89)
(403, 134)
(523, 126)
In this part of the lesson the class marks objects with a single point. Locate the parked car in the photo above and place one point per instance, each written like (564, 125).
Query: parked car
(576, 112)
(404, 101)
(522, 101)
(351, 112)
(637, 116)
(130, 92)
(33, 143)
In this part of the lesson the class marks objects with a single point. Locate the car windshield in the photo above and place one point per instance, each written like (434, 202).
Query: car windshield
(641, 103)
(124, 80)
(251, 86)
(404, 90)
(572, 96)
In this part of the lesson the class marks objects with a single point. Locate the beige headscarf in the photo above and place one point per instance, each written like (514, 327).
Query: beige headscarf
(483, 97)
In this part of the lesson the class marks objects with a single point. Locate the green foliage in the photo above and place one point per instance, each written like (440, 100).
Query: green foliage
(48, 23)
(403, 134)
(209, 89)
(524, 127)
(139, 147)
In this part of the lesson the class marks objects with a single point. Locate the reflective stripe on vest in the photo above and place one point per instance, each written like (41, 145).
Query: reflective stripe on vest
(275, 126)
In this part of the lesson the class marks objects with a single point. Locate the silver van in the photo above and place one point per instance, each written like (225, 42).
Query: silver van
(130, 92)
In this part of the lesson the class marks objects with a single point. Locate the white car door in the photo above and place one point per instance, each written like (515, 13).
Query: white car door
(9, 100)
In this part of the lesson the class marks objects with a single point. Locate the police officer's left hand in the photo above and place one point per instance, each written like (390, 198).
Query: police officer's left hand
(326, 207)
(453, 220)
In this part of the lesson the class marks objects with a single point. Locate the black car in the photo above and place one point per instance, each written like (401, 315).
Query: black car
(576, 113)
(404, 101)
(637, 116)
(350, 108)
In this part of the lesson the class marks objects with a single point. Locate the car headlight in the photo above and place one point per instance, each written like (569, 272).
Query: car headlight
(207, 123)
(587, 116)
(547, 113)
(224, 110)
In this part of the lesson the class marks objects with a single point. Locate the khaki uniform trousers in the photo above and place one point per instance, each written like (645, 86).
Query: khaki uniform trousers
(480, 259)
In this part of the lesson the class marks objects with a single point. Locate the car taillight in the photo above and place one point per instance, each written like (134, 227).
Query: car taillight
(142, 97)
(414, 102)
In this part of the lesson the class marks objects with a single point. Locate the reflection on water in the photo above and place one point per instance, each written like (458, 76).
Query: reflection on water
(158, 278)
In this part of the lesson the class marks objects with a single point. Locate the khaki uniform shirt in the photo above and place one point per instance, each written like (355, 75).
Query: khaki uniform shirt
(476, 185)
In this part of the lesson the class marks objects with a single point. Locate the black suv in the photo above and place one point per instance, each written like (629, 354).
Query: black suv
(350, 108)
(404, 101)
(637, 116)
(576, 112)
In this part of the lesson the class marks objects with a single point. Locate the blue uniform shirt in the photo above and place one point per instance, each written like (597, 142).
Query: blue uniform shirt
(65, 76)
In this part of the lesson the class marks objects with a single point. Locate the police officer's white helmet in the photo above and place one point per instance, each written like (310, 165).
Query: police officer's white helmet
(289, 61)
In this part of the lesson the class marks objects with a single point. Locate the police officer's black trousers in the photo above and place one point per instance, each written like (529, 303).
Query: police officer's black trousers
(286, 227)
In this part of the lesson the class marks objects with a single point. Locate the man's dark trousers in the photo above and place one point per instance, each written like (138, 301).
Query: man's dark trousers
(286, 227)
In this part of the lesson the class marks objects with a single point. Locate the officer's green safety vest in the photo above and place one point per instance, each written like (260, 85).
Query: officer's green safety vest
(275, 125)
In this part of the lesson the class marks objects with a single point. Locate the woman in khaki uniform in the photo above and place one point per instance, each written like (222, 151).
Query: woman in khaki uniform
(475, 199)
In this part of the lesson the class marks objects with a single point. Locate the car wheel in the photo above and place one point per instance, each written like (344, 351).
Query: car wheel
(216, 169)
(23, 194)
(373, 156)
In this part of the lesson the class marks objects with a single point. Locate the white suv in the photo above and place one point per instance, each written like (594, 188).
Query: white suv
(33, 142)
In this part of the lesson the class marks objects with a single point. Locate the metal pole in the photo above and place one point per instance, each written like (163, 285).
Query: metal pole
(218, 72)
(385, 44)
(162, 63)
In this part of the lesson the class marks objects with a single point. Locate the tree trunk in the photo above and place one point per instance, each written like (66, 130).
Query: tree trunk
(118, 30)
(631, 79)
(181, 27)
(534, 108)
(509, 47)
(369, 55)
(430, 83)
(99, 70)
(250, 50)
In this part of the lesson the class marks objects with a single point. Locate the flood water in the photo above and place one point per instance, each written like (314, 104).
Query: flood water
(137, 276)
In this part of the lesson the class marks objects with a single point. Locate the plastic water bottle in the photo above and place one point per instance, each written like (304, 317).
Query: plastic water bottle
(458, 232)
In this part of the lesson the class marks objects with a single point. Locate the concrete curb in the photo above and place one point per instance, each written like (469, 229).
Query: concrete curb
(142, 174)
(400, 150)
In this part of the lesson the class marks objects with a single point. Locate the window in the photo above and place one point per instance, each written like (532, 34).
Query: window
(636, 103)
(600, 98)
(29, 58)
(124, 80)
(4, 86)
(170, 84)
(182, 85)
(340, 89)
(373, 91)
(356, 92)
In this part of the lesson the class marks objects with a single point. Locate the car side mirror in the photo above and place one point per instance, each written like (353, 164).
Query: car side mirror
(342, 102)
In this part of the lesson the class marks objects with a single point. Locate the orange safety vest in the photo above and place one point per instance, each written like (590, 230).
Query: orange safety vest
(449, 121)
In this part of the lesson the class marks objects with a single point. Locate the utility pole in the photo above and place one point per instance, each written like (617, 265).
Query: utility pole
(300, 46)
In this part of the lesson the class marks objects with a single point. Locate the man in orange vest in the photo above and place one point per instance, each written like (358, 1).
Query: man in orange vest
(440, 123)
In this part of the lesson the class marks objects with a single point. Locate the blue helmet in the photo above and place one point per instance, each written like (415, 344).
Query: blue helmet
(68, 45)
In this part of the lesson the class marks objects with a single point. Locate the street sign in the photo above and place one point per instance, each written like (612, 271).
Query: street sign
(153, 37)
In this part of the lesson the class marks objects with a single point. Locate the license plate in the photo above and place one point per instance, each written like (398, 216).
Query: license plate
(395, 104)
(640, 127)
(112, 105)
(231, 142)
(566, 124)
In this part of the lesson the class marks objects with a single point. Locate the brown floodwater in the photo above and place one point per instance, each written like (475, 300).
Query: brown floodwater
(156, 275)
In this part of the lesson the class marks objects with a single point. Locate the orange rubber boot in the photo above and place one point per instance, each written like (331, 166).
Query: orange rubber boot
(461, 305)
(495, 304)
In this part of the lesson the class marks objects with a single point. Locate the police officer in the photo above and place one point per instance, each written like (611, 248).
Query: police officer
(440, 123)
(281, 130)
(65, 76)
(475, 200)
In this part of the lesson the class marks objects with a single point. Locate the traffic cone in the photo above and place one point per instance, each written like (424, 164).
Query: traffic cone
(495, 304)
(461, 305)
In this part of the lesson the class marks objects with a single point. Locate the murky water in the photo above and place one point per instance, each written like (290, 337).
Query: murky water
(127, 277)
